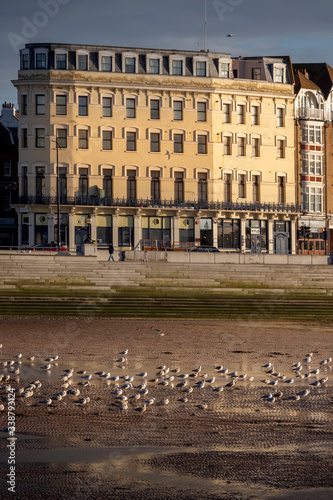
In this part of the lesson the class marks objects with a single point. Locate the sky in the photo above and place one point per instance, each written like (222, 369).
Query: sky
(299, 28)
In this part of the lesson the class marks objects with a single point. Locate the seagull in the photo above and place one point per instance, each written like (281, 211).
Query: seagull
(142, 374)
(197, 370)
(305, 392)
(289, 381)
(176, 370)
(315, 372)
(296, 365)
(316, 383)
(267, 365)
(168, 154)
(46, 367)
(183, 400)
(121, 360)
(141, 409)
(295, 397)
(278, 394)
(164, 401)
(203, 406)
(124, 352)
(47, 401)
(323, 380)
(230, 384)
(211, 380)
(229, 35)
(188, 390)
(218, 389)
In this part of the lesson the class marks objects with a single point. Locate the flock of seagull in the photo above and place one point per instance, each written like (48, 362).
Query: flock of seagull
(134, 389)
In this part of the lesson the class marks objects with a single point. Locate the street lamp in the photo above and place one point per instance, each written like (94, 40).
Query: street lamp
(58, 195)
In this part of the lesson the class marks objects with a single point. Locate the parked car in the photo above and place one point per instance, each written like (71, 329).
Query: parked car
(46, 247)
(205, 248)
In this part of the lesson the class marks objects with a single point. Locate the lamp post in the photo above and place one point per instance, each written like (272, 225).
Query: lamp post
(58, 195)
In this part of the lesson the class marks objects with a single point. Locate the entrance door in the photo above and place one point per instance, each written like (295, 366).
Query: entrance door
(255, 243)
(281, 243)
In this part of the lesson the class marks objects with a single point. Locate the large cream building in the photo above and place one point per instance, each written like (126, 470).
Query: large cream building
(156, 148)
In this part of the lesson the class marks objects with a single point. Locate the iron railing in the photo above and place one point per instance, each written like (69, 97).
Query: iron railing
(148, 203)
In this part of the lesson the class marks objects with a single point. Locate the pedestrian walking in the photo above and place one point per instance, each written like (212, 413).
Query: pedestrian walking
(111, 250)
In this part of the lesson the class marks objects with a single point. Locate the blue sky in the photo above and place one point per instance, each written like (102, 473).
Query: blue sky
(299, 28)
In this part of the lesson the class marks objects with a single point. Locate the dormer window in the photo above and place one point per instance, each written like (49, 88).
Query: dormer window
(105, 61)
(225, 68)
(154, 64)
(279, 73)
(177, 65)
(82, 61)
(40, 58)
(60, 59)
(201, 68)
(25, 61)
(129, 64)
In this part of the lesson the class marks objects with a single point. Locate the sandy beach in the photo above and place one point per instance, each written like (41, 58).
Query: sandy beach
(232, 444)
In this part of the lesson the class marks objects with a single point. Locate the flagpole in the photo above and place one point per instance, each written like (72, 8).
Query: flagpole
(205, 23)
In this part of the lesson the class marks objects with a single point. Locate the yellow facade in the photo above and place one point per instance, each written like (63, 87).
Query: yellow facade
(266, 109)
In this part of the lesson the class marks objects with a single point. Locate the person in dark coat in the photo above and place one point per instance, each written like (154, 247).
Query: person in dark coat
(111, 250)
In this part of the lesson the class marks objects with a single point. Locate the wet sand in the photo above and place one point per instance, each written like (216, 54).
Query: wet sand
(239, 447)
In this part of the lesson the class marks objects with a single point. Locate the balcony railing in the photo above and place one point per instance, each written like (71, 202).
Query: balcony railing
(95, 201)
(311, 113)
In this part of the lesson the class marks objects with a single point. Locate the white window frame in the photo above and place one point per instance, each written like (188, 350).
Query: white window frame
(200, 59)
(150, 57)
(133, 55)
(311, 161)
(312, 195)
(225, 61)
(176, 58)
(106, 53)
(82, 53)
(60, 52)
(284, 72)
(23, 53)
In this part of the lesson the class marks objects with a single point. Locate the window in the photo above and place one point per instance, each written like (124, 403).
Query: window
(131, 185)
(82, 62)
(107, 183)
(61, 61)
(179, 187)
(40, 61)
(311, 133)
(202, 144)
(40, 104)
(281, 190)
(178, 140)
(227, 145)
(7, 168)
(154, 142)
(106, 63)
(24, 181)
(240, 113)
(155, 186)
(227, 188)
(129, 64)
(131, 141)
(40, 181)
(225, 70)
(107, 106)
(280, 117)
(24, 138)
(241, 186)
(256, 74)
(83, 183)
(201, 68)
(279, 75)
(255, 188)
(255, 115)
(40, 138)
(226, 108)
(83, 139)
(280, 148)
(130, 108)
(63, 184)
(25, 61)
(241, 146)
(154, 109)
(312, 199)
(177, 67)
(62, 138)
(177, 110)
(311, 164)
(255, 147)
(61, 105)
(202, 114)
(83, 105)
(154, 66)
(24, 104)
(202, 188)
(107, 139)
